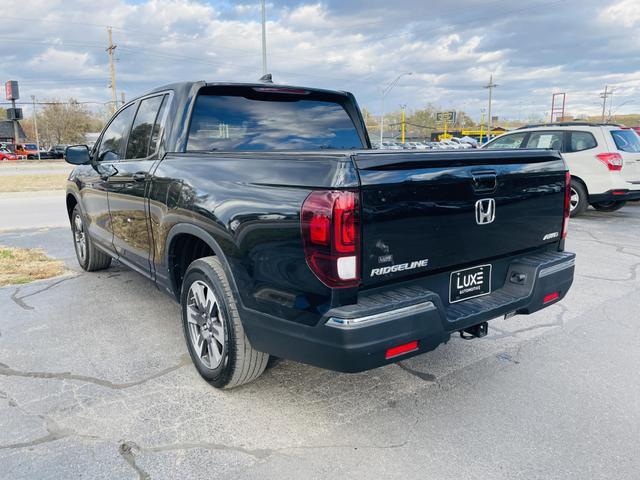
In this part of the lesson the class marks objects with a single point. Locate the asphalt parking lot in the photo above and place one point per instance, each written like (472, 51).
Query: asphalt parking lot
(95, 383)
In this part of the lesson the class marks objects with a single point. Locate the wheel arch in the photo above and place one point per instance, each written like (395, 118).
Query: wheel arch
(71, 201)
(584, 184)
(182, 230)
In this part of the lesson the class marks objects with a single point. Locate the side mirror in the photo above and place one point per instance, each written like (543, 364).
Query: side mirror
(77, 155)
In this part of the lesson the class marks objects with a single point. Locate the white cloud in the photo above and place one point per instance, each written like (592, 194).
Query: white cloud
(576, 46)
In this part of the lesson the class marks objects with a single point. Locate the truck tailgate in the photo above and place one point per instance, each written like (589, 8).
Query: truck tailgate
(424, 212)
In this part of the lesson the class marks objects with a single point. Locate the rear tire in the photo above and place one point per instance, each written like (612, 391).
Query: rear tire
(579, 201)
(217, 343)
(89, 257)
(609, 206)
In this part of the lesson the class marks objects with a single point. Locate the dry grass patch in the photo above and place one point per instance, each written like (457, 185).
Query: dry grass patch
(30, 183)
(24, 265)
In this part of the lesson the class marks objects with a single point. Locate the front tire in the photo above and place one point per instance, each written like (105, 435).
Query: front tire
(89, 257)
(217, 343)
(579, 201)
(609, 206)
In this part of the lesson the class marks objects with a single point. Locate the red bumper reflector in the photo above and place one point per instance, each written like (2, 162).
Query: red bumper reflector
(551, 297)
(619, 192)
(400, 349)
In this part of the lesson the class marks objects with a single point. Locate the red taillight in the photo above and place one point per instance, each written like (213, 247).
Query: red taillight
(400, 349)
(613, 161)
(330, 222)
(551, 297)
(567, 204)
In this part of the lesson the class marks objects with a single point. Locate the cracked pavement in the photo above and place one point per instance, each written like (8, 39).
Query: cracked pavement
(95, 382)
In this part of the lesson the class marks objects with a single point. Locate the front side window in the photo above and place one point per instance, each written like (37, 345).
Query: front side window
(252, 120)
(139, 144)
(626, 140)
(512, 140)
(545, 139)
(581, 141)
(111, 145)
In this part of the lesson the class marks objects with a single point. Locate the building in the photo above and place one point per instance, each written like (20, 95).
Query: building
(6, 132)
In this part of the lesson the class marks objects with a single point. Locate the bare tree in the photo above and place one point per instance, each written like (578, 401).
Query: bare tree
(66, 122)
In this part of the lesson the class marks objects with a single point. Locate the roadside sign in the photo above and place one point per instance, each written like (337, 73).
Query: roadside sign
(11, 90)
(446, 117)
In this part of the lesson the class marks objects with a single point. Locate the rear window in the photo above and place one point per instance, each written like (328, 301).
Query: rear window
(581, 141)
(252, 120)
(626, 140)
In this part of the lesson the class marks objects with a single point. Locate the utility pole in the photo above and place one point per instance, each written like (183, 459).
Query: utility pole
(264, 38)
(122, 97)
(490, 86)
(604, 97)
(112, 70)
(402, 108)
(610, 105)
(386, 90)
(35, 124)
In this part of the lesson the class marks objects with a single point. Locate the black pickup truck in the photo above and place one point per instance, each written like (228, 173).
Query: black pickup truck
(263, 210)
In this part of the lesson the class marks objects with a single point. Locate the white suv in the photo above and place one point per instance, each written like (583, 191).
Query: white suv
(603, 159)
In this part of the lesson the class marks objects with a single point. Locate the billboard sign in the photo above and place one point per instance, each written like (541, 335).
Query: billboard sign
(11, 90)
(446, 117)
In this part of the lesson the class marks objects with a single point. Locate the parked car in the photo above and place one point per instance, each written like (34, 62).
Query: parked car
(27, 150)
(416, 146)
(7, 154)
(57, 151)
(460, 143)
(280, 237)
(390, 146)
(604, 160)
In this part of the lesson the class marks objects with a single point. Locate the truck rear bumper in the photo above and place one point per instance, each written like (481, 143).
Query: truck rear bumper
(358, 337)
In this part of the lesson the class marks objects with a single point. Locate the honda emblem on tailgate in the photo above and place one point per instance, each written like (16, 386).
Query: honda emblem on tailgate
(485, 211)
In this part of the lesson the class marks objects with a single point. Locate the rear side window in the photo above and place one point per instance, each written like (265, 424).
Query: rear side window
(512, 140)
(580, 141)
(626, 140)
(256, 121)
(545, 139)
(142, 141)
(111, 146)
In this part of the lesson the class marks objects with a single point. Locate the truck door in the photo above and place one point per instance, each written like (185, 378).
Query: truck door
(94, 181)
(129, 183)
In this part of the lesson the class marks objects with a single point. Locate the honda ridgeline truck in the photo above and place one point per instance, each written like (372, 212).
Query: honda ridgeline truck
(263, 210)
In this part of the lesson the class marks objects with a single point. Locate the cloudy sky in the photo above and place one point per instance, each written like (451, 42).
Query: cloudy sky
(56, 49)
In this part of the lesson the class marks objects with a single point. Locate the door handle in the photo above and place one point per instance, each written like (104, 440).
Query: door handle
(139, 176)
(484, 181)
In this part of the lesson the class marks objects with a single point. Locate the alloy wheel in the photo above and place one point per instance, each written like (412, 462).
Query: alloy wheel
(80, 238)
(206, 324)
(575, 199)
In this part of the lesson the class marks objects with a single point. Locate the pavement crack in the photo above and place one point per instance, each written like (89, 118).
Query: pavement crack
(7, 371)
(54, 433)
(126, 451)
(19, 300)
(259, 454)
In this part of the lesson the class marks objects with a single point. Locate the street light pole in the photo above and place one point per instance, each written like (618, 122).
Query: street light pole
(386, 90)
(35, 124)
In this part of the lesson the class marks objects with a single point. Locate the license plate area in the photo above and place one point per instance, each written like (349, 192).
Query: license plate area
(469, 283)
